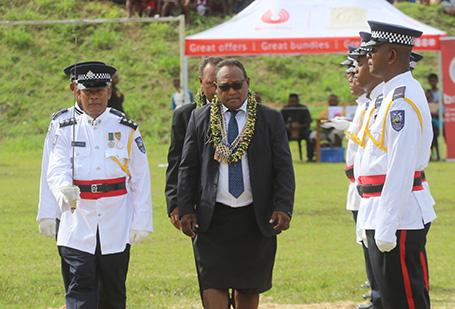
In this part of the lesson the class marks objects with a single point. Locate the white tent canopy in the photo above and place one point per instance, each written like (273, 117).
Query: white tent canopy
(302, 27)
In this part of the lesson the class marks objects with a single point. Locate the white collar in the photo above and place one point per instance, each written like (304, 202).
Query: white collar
(377, 91)
(362, 99)
(77, 109)
(396, 81)
(98, 119)
(242, 108)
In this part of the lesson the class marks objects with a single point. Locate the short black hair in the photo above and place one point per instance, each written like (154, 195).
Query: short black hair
(294, 95)
(231, 63)
(432, 75)
(206, 61)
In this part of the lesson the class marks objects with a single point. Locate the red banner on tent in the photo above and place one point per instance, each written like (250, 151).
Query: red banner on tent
(448, 93)
(224, 47)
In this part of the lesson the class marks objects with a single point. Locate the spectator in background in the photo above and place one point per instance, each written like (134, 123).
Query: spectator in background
(117, 98)
(449, 6)
(171, 8)
(329, 136)
(297, 118)
(180, 98)
(433, 96)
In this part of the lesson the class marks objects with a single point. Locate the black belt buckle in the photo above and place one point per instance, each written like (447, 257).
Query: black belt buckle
(95, 188)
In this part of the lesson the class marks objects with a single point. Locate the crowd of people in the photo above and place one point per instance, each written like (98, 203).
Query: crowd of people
(151, 8)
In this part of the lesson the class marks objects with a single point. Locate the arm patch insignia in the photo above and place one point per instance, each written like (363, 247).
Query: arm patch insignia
(397, 120)
(140, 144)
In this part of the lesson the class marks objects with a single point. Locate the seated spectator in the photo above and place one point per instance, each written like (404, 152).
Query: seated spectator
(179, 98)
(142, 7)
(329, 136)
(298, 120)
(171, 8)
(449, 6)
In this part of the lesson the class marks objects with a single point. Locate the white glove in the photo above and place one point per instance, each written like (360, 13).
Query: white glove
(385, 246)
(137, 236)
(70, 194)
(47, 227)
(340, 123)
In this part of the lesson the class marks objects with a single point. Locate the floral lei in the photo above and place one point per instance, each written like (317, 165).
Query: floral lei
(223, 151)
(200, 99)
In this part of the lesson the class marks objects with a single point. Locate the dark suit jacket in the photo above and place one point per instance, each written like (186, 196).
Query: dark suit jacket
(180, 121)
(270, 168)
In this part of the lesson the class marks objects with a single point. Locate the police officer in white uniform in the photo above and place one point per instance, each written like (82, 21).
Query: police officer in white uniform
(98, 173)
(48, 216)
(394, 209)
(367, 88)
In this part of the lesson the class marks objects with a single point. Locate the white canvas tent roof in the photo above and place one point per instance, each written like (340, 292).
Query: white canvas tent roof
(302, 27)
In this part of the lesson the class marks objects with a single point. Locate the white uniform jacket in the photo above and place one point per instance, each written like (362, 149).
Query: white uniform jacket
(109, 147)
(353, 197)
(398, 146)
(47, 205)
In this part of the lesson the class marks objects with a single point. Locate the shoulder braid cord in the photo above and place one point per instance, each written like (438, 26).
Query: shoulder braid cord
(380, 143)
(124, 166)
(353, 136)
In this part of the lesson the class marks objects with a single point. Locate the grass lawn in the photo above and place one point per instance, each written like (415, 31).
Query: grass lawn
(317, 261)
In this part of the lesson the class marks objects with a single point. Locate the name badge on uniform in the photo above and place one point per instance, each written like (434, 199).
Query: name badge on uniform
(77, 144)
(397, 120)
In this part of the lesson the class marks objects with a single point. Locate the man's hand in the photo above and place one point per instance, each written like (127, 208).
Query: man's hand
(189, 225)
(280, 221)
(70, 194)
(175, 218)
(385, 246)
(47, 227)
(137, 236)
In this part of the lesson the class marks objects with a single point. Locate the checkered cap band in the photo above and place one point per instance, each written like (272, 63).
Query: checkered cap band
(94, 76)
(395, 38)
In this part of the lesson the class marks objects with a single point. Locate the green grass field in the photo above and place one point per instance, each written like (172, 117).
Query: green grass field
(318, 260)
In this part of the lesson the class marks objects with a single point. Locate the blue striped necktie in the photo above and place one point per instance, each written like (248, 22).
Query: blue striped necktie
(236, 187)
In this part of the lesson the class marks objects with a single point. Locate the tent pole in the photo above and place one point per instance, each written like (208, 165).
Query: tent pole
(183, 59)
(440, 103)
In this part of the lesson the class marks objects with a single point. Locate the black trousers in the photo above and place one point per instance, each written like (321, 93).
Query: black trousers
(96, 281)
(375, 293)
(65, 268)
(402, 274)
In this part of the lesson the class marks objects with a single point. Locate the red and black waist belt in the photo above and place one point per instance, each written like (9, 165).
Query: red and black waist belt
(371, 186)
(349, 171)
(95, 189)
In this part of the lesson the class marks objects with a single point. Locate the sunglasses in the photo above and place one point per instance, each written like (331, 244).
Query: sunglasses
(235, 85)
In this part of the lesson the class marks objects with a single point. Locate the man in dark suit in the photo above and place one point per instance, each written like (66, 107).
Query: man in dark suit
(179, 124)
(298, 121)
(235, 191)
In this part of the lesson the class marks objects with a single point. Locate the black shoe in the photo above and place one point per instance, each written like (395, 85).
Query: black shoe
(365, 306)
(365, 285)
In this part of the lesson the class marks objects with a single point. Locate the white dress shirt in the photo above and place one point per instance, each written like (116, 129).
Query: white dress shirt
(223, 195)
(47, 205)
(407, 151)
(113, 216)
